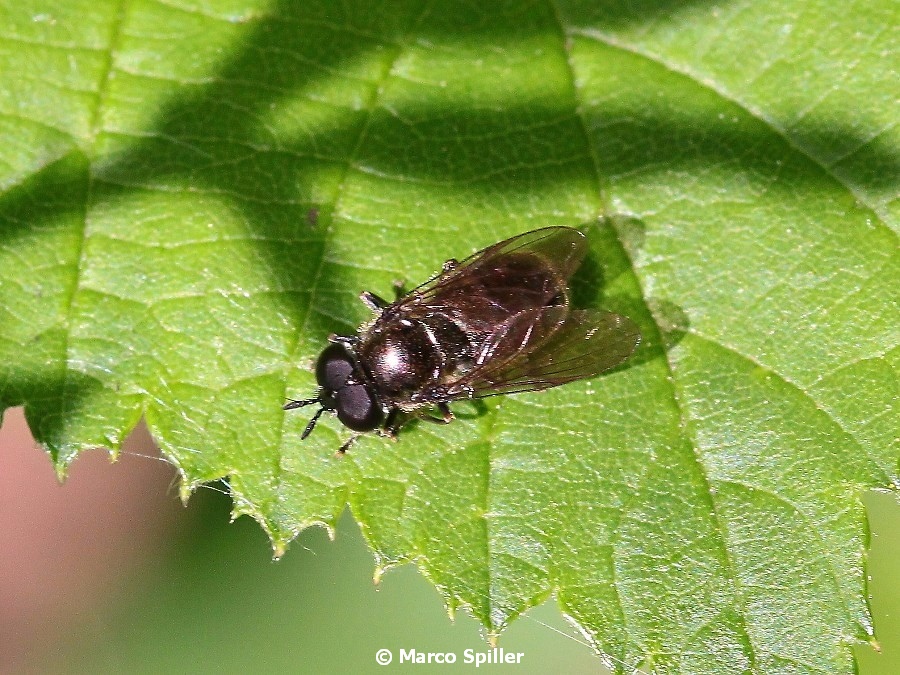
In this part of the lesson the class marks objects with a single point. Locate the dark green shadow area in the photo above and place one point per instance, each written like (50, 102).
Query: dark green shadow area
(209, 135)
(36, 219)
(613, 242)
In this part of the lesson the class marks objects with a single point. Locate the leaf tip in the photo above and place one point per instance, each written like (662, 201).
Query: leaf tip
(62, 470)
(63, 458)
(185, 490)
(279, 548)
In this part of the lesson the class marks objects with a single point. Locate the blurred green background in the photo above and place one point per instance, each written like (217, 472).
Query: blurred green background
(167, 589)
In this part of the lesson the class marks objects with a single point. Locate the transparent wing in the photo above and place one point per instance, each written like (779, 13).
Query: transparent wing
(530, 270)
(543, 348)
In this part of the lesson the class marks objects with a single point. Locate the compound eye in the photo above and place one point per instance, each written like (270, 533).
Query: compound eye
(333, 368)
(357, 408)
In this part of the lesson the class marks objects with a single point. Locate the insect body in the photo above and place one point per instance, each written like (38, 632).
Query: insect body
(498, 322)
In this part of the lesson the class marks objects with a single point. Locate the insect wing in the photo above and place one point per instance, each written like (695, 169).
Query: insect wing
(543, 348)
(530, 270)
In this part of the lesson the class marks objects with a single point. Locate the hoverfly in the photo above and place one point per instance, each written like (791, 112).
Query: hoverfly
(497, 322)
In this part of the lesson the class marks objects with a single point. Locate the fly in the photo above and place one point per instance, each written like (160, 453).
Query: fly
(498, 322)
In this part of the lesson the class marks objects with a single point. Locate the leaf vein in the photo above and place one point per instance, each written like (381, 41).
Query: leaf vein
(709, 84)
(788, 381)
(314, 288)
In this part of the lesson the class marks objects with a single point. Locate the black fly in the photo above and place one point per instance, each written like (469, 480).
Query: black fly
(498, 322)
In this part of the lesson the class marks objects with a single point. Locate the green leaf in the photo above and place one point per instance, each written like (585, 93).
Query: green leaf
(195, 192)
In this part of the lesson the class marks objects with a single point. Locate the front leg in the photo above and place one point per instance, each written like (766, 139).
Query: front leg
(348, 341)
(374, 302)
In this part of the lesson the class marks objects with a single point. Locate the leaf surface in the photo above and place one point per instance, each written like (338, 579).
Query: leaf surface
(194, 193)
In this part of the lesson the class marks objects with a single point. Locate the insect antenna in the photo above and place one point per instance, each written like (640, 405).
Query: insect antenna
(299, 404)
(312, 423)
(291, 404)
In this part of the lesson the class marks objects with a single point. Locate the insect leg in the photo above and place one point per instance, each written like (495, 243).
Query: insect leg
(346, 446)
(374, 302)
(349, 341)
(392, 424)
(446, 418)
(446, 412)
(399, 288)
